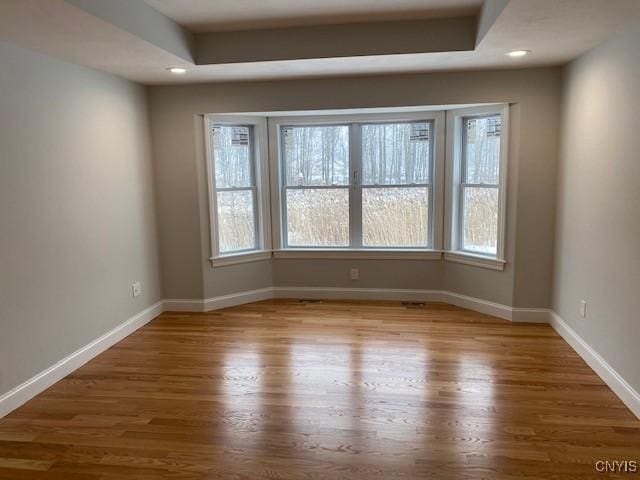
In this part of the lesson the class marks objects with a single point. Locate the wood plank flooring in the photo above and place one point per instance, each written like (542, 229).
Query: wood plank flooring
(334, 390)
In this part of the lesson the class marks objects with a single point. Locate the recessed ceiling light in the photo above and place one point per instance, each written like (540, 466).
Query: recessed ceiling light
(177, 70)
(519, 53)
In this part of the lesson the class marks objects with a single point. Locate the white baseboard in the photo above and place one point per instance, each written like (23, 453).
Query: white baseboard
(477, 305)
(241, 298)
(183, 305)
(43, 380)
(330, 293)
(613, 379)
(531, 315)
(216, 303)
(537, 315)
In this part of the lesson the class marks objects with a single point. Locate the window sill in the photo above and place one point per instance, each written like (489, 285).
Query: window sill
(475, 260)
(363, 254)
(244, 257)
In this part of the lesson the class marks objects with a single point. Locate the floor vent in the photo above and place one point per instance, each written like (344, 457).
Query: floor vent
(309, 300)
(414, 304)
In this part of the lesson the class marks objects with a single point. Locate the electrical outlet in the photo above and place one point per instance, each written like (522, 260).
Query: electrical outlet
(355, 273)
(583, 308)
(136, 289)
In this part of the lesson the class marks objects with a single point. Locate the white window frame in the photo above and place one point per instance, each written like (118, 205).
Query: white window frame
(355, 250)
(348, 187)
(454, 162)
(260, 170)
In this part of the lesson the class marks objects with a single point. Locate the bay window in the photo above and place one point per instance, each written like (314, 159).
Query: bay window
(391, 184)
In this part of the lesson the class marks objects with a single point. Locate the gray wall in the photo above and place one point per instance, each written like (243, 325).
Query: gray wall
(77, 209)
(597, 255)
(182, 207)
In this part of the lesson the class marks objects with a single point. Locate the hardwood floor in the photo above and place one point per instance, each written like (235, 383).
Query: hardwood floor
(333, 390)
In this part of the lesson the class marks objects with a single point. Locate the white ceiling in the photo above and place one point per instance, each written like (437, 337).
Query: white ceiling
(555, 30)
(219, 15)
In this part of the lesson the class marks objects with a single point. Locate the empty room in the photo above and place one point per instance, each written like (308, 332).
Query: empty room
(319, 240)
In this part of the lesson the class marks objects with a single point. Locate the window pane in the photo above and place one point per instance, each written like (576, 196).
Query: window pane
(480, 220)
(395, 217)
(395, 153)
(482, 149)
(318, 217)
(316, 155)
(232, 156)
(236, 221)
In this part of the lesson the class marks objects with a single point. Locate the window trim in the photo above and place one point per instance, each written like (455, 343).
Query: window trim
(454, 161)
(436, 190)
(260, 175)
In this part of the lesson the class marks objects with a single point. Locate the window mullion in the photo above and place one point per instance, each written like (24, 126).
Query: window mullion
(355, 192)
(257, 220)
(463, 179)
(460, 216)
